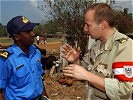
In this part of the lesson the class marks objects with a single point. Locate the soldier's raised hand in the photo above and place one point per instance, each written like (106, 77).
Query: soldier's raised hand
(70, 54)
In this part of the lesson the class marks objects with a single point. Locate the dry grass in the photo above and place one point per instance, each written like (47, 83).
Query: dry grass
(51, 47)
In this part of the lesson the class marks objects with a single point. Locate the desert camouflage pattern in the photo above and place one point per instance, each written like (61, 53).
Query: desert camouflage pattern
(99, 59)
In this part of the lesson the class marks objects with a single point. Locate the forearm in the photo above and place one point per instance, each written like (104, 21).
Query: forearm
(96, 81)
(77, 62)
(1, 95)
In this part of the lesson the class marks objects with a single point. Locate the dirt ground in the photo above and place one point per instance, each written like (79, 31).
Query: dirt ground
(55, 90)
(51, 47)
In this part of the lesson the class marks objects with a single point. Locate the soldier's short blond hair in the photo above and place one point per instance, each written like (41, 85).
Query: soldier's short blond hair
(102, 11)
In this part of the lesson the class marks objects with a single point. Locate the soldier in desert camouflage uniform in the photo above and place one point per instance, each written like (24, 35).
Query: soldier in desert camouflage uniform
(109, 62)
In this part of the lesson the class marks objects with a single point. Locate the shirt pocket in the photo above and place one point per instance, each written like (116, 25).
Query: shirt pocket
(22, 76)
(102, 70)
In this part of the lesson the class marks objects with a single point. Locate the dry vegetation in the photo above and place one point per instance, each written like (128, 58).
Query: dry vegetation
(57, 91)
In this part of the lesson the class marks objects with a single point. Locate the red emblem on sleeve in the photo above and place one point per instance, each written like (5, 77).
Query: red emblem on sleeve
(123, 71)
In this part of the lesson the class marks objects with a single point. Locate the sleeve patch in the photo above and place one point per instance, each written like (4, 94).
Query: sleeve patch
(123, 71)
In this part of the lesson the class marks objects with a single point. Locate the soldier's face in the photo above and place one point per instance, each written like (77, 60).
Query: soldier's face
(91, 27)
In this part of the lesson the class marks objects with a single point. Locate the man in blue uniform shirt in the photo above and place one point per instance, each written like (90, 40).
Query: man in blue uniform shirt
(20, 65)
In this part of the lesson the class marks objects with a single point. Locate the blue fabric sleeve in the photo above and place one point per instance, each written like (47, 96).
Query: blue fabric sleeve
(3, 73)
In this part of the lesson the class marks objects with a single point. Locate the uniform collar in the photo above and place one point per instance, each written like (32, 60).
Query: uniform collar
(111, 40)
(18, 51)
(115, 37)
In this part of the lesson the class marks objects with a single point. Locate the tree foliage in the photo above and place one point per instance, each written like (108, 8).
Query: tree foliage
(49, 27)
(124, 22)
(2, 30)
(67, 15)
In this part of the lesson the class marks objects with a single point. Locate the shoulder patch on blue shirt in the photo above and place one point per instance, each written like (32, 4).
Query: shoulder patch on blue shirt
(5, 54)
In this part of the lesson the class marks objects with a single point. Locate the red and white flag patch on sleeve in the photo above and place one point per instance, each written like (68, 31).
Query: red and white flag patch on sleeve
(123, 71)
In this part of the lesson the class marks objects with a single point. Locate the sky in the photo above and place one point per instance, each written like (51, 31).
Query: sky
(29, 9)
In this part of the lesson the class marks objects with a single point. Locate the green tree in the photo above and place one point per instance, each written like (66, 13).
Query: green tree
(68, 15)
(39, 30)
(47, 27)
(2, 31)
(50, 27)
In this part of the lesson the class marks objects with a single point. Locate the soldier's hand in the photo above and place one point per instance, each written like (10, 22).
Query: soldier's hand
(75, 71)
(70, 54)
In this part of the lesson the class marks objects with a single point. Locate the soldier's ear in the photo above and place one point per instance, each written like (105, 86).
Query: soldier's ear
(104, 24)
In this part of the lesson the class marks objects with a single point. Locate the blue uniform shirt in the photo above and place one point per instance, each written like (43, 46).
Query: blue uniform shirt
(20, 75)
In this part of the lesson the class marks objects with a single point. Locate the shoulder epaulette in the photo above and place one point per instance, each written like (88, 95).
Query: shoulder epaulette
(122, 40)
(5, 54)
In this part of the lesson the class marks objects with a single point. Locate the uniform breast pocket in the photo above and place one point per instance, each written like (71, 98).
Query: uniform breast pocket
(22, 77)
(102, 70)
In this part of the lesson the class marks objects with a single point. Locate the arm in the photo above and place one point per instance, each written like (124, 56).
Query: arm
(96, 81)
(121, 88)
(3, 77)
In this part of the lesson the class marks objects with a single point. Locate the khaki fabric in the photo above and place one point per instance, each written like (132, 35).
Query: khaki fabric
(99, 61)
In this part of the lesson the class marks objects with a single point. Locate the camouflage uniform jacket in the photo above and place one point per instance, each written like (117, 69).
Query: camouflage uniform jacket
(99, 60)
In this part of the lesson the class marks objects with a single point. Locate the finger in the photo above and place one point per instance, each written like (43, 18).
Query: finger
(65, 56)
(69, 47)
(70, 66)
(67, 72)
(68, 69)
(65, 48)
(78, 49)
(64, 52)
(69, 75)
